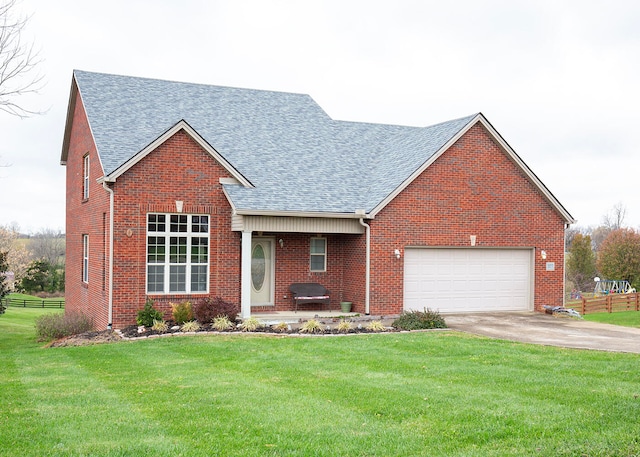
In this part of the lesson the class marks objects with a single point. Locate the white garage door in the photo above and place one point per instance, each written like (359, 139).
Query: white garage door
(467, 280)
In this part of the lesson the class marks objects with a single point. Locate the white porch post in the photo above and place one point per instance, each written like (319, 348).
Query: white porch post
(245, 276)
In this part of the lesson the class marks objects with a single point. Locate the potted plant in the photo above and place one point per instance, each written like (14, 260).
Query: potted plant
(345, 306)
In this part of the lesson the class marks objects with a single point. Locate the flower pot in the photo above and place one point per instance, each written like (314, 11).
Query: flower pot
(345, 306)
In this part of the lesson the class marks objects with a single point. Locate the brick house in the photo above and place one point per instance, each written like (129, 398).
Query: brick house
(178, 191)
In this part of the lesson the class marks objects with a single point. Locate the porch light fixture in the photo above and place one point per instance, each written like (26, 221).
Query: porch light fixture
(543, 254)
(281, 243)
(397, 253)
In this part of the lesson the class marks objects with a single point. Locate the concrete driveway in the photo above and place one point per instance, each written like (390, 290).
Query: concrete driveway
(539, 328)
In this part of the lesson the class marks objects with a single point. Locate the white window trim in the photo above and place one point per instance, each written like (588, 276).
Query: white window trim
(190, 235)
(85, 176)
(324, 255)
(85, 259)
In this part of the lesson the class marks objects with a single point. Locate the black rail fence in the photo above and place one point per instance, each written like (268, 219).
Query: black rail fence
(32, 303)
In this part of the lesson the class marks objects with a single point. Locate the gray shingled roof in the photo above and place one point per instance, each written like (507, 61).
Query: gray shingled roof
(296, 156)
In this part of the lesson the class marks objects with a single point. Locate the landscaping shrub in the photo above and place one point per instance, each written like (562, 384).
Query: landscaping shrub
(376, 326)
(281, 327)
(148, 314)
(207, 309)
(190, 326)
(54, 326)
(344, 326)
(222, 323)
(250, 324)
(418, 320)
(181, 312)
(311, 326)
(159, 326)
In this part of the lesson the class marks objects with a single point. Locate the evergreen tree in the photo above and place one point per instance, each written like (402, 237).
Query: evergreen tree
(581, 264)
(37, 278)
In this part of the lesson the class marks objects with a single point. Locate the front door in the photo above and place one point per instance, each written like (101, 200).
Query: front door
(262, 278)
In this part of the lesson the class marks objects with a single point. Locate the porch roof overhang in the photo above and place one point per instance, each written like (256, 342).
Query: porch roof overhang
(253, 220)
(299, 223)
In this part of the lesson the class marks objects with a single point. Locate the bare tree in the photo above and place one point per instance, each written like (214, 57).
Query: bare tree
(614, 219)
(48, 244)
(570, 234)
(18, 62)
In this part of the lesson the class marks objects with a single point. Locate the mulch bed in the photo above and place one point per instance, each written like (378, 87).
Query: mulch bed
(87, 338)
(132, 332)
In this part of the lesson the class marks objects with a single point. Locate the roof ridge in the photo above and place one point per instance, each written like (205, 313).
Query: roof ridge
(187, 83)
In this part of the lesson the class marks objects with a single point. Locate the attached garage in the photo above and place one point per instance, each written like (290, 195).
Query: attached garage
(468, 279)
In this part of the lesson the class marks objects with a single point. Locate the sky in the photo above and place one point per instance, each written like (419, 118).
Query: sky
(560, 80)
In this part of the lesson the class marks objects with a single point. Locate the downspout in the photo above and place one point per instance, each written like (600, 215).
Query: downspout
(110, 191)
(368, 265)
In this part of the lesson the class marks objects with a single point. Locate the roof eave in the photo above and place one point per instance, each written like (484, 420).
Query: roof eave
(317, 214)
(180, 125)
(504, 146)
(380, 206)
(568, 218)
(71, 107)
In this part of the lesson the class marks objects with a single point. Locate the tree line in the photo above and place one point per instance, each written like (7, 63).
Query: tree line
(609, 251)
(36, 264)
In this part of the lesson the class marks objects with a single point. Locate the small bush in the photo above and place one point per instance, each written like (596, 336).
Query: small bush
(148, 314)
(181, 312)
(159, 326)
(207, 309)
(344, 326)
(376, 326)
(221, 323)
(311, 326)
(251, 325)
(190, 326)
(54, 326)
(419, 320)
(280, 327)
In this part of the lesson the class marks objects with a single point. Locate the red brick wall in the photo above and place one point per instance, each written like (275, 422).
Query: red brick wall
(179, 170)
(344, 276)
(292, 266)
(85, 217)
(355, 271)
(472, 189)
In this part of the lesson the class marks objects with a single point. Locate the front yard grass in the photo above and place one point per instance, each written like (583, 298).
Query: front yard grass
(400, 394)
(626, 318)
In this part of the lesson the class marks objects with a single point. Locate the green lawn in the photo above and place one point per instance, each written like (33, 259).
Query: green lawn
(626, 318)
(436, 393)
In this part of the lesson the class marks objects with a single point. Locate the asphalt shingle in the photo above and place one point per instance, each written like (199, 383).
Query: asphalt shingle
(296, 156)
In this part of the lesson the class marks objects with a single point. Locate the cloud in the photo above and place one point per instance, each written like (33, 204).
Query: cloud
(557, 79)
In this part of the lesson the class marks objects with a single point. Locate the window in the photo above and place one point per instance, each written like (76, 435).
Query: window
(177, 253)
(318, 254)
(85, 258)
(85, 177)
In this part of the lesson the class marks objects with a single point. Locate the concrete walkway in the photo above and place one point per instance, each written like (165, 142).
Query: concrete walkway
(539, 328)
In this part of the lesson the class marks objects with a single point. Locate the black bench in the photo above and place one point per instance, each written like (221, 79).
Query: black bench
(309, 292)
